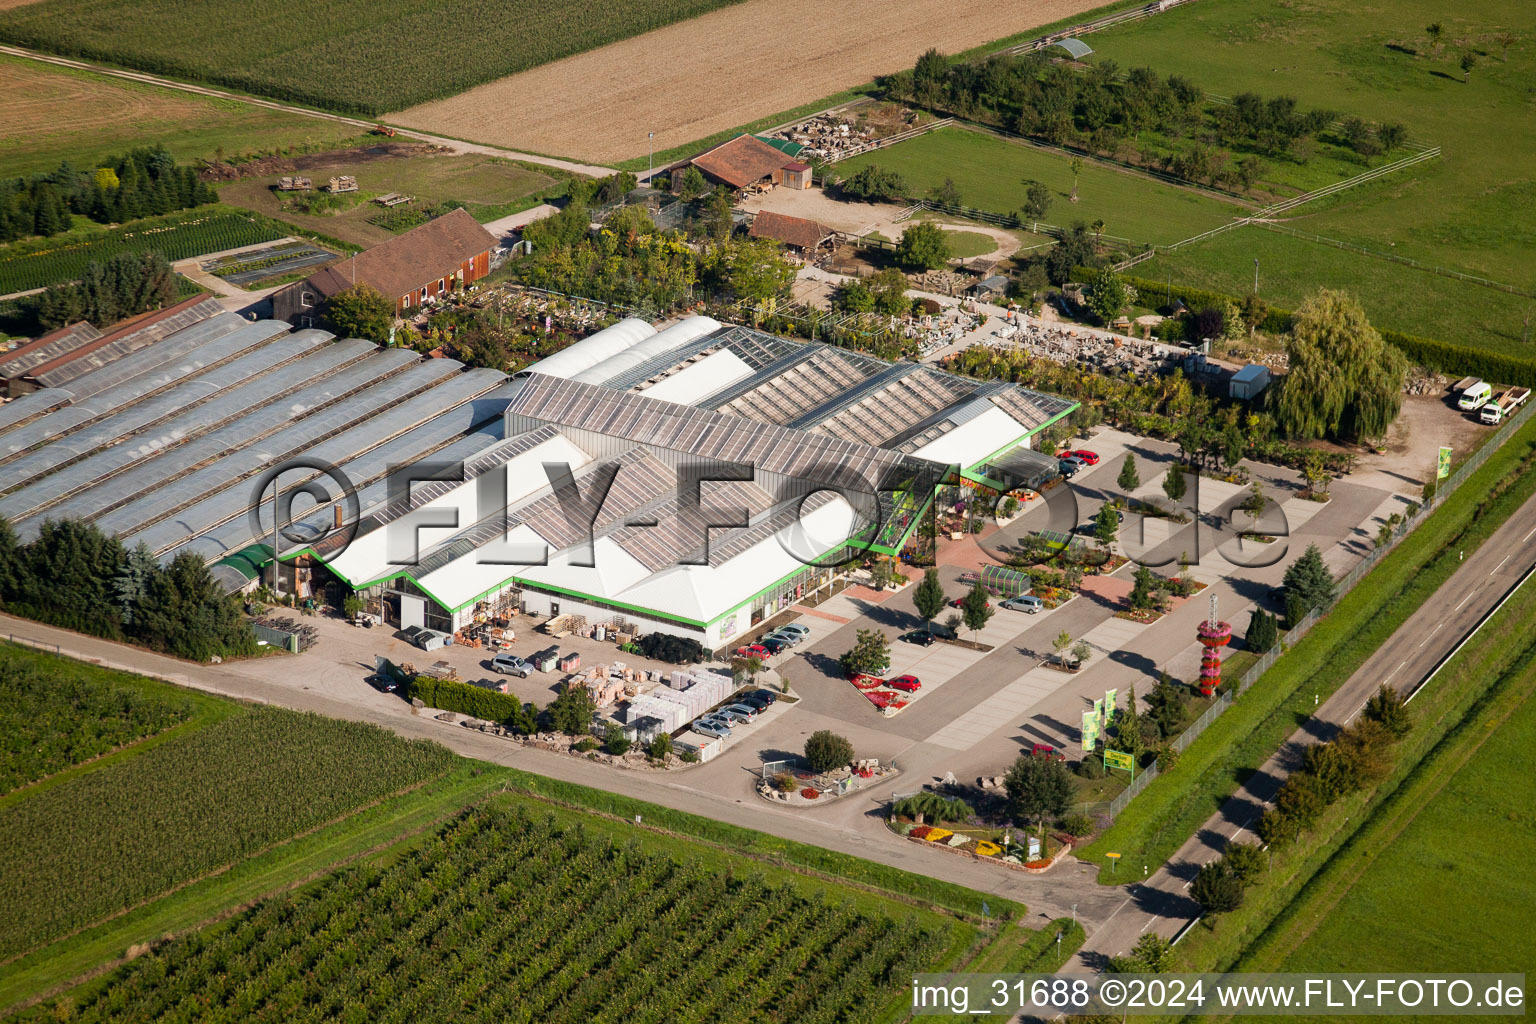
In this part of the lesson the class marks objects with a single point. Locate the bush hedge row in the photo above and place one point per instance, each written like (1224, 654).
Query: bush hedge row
(1444, 356)
(475, 701)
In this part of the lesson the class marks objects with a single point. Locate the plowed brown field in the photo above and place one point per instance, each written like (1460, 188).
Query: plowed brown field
(725, 68)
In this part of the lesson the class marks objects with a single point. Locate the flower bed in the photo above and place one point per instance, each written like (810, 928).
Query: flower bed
(986, 848)
(809, 793)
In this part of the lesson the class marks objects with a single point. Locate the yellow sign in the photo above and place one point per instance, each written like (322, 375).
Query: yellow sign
(1443, 469)
(1119, 759)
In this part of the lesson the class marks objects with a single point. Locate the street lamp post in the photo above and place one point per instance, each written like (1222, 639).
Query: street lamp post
(1255, 275)
(650, 160)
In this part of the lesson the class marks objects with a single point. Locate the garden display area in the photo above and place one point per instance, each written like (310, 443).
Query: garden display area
(223, 843)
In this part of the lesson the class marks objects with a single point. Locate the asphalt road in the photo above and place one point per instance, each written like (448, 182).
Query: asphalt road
(1162, 904)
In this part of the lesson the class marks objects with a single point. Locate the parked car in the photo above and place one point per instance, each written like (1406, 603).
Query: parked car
(1082, 455)
(381, 682)
(1069, 467)
(718, 731)
(1024, 603)
(757, 651)
(960, 601)
(785, 637)
(774, 644)
(1047, 751)
(795, 629)
(767, 695)
(921, 637)
(733, 717)
(911, 684)
(511, 665)
(744, 708)
(426, 639)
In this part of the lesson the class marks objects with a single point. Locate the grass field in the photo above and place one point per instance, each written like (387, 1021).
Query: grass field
(965, 244)
(351, 55)
(989, 173)
(52, 114)
(1177, 802)
(1412, 865)
(1394, 296)
(1372, 58)
(489, 187)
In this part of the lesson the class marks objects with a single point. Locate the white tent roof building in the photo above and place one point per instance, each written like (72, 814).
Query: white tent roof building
(591, 509)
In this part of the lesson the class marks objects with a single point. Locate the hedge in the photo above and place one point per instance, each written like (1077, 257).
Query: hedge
(1447, 357)
(475, 701)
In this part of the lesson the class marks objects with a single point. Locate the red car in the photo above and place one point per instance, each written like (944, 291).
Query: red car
(1081, 455)
(1048, 752)
(757, 651)
(908, 683)
(959, 602)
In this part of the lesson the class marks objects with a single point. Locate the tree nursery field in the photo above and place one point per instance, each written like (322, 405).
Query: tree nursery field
(350, 55)
(101, 841)
(517, 915)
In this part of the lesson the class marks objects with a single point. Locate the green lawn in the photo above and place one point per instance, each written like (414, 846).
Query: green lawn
(1394, 296)
(1468, 210)
(81, 116)
(965, 244)
(989, 172)
(1441, 864)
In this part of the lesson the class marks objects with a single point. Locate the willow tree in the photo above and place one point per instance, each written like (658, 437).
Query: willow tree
(1345, 382)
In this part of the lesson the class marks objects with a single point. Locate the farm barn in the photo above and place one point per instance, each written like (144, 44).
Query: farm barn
(749, 162)
(440, 256)
(804, 236)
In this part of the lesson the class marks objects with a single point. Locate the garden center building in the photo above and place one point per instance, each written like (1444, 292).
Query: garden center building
(692, 480)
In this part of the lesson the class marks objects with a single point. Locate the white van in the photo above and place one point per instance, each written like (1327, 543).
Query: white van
(1475, 397)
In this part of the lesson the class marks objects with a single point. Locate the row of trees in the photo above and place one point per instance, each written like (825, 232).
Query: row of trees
(75, 576)
(144, 182)
(114, 289)
(1164, 121)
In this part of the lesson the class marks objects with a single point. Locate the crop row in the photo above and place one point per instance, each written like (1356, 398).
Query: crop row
(503, 916)
(52, 261)
(51, 719)
(366, 56)
(113, 837)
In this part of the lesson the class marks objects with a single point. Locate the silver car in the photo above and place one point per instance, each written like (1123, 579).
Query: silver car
(714, 729)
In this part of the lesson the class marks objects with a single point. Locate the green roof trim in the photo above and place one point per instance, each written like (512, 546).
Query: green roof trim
(248, 560)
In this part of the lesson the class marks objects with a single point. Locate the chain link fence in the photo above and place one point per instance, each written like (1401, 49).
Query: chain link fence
(1346, 583)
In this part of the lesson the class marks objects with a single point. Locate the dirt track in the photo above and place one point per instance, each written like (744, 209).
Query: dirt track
(728, 67)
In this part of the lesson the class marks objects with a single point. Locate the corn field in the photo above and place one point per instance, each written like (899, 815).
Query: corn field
(507, 918)
(363, 56)
(51, 719)
(110, 838)
(46, 261)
